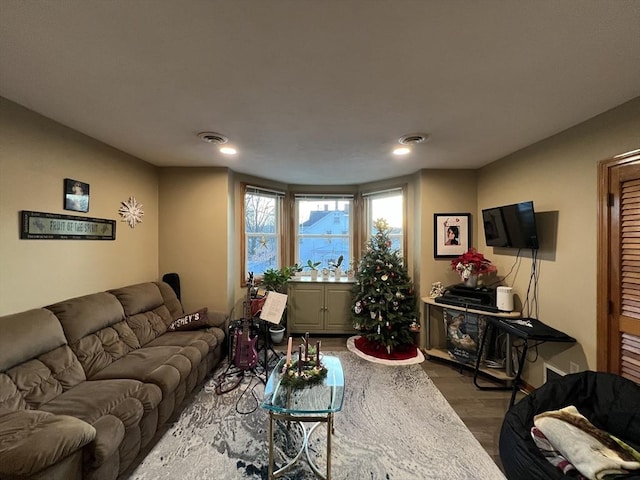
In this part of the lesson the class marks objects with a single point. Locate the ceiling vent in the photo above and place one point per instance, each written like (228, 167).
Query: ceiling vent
(212, 137)
(413, 138)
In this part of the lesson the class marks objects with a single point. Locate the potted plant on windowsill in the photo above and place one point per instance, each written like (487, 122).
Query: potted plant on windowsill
(313, 268)
(276, 279)
(335, 266)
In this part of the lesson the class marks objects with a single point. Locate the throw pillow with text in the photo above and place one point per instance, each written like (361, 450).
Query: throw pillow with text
(190, 321)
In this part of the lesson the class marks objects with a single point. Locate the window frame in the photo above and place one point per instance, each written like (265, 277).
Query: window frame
(367, 220)
(279, 197)
(352, 224)
(359, 223)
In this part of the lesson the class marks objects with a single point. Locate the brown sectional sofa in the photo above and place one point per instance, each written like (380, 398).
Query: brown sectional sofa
(86, 383)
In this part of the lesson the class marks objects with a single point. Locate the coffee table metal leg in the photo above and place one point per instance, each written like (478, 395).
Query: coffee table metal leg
(329, 433)
(304, 448)
(270, 445)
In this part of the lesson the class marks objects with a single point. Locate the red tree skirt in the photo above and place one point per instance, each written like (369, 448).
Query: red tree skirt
(401, 352)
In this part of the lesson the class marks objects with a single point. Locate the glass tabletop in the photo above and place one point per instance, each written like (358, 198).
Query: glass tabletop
(325, 397)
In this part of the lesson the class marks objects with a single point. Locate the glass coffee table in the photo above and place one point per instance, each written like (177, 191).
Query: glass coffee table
(315, 404)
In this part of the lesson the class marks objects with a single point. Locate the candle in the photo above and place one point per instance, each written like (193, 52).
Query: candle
(289, 351)
(299, 359)
(306, 347)
(318, 353)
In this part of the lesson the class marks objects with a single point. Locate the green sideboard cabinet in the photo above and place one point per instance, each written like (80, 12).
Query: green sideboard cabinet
(320, 306)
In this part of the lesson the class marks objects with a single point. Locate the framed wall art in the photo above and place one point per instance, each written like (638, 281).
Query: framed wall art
(76, 195)
(452, 234)
(53, 226)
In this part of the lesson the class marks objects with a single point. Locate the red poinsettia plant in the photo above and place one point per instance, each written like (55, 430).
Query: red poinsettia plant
(472, 262)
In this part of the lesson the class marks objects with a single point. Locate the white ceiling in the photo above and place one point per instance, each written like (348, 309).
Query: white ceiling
(318, 92)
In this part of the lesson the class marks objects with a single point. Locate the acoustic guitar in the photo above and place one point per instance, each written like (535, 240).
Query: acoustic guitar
(246, 355)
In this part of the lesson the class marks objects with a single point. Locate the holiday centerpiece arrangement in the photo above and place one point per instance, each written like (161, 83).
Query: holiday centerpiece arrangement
(471, 264)
(305, 370)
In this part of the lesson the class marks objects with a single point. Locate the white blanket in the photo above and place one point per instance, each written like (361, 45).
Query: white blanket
(593, 452)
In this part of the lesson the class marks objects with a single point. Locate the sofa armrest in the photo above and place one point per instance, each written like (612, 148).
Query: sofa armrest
(31, 440)
(110, 433)
(218, 319)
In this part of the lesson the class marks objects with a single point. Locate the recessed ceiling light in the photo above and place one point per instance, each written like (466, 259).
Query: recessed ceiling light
(401, 151)
(228, 150)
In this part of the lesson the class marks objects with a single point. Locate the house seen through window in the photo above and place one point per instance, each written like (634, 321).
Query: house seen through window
(324, 229)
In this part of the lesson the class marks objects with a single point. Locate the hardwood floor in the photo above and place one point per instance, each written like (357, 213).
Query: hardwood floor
(481, 411)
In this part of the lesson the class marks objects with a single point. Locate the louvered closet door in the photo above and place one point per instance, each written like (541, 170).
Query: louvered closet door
(624, 333)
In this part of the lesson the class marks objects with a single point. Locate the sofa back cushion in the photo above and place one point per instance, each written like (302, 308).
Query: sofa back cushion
(36, 363)
(144, 306)
(170, 299)
(27, 335)
(96, 330)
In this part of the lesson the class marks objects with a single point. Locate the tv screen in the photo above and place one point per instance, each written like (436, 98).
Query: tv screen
(511, 226)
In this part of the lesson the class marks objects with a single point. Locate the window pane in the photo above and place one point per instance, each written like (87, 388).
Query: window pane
(262, 232)
(389, 206)
(324, 230)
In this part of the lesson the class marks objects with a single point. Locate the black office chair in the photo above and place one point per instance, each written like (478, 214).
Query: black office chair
(610, 402)
(173, 279)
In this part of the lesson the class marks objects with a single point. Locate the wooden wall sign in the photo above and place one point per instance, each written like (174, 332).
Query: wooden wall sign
(52, 226)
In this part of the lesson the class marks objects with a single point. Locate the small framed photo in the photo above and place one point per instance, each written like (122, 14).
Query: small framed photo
(451, 234)
(76, 195)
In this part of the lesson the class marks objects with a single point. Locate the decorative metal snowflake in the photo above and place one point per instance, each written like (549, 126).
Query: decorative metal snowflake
(131, 212)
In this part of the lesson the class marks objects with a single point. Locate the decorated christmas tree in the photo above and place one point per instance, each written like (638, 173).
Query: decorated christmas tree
(384, 305)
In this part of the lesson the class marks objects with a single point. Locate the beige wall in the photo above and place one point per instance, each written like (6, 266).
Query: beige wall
(441, 191)
(194, 234)
(36, 155)
(560, 175)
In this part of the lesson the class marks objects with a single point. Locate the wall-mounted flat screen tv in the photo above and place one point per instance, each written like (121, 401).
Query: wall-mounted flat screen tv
(511, 226)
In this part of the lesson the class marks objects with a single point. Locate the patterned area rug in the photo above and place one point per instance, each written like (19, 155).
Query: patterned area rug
(394, 425)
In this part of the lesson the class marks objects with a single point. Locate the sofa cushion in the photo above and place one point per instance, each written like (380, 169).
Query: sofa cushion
(101, 349)
(165, 367)
(170, 299)
(91, 400)
(96, 330)
(204, 340)
(35, 382)
(41, 379)
(148, 325)
(32, 440)
(82, 316)
(27, 335)
(10, 396)
(138, 298)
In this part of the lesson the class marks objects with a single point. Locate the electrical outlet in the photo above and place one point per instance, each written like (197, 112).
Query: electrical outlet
(574, 367)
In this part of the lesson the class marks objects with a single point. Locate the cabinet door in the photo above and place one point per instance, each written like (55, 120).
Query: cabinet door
(306, 309)
(338, 309)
